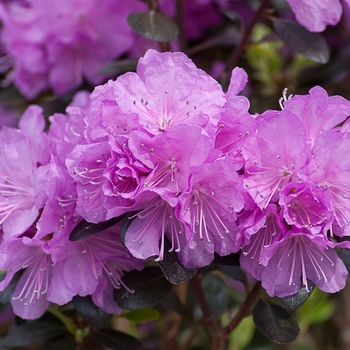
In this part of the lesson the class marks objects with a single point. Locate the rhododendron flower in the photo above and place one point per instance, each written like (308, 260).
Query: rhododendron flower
(299, 257)
(330, 170)
(30, 298)
(20, 154)
(317, 111)
(317, 14)
(168, 89)
(271, 228)
(209, 206)
(91, 265)
(59, 44)
(276, 153)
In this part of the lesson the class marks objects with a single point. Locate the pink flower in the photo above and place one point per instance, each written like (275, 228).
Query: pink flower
(56, 45)
(315, 15)
(167, 90)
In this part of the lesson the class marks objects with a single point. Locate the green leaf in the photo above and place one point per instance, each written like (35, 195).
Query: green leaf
(275, 322)
(86, 229)
(153, 25)
(91, 314)
(172, 268)
(119, 67)
(60, 343)
(126, 222)
(115, 340)
(32, 332)
(6, 294)
(228, 260)
(141, 316)
(216, 294)
(242, 334)
(299, 39)
(234, 272)
(145, 288)
(296, 300)
(173, 302)
(344, 254)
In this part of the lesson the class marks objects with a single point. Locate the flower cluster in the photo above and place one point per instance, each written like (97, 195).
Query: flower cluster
(191, 169)
(59, 45)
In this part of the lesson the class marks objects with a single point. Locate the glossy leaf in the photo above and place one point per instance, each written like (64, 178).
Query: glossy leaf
(216, 294)
(145, 288)
(275, 322)
(60, 343)
(173, 302)
(299, 39)
(228, 260)
(115, 340)
(126, 222)
(141, 316)
(296, 300)
(6, 294)
(234, 272)
(172, 268)
(344, 254)
(91, 314)
(153, 25)
(32, 332)
(119, 67)
(86, 229)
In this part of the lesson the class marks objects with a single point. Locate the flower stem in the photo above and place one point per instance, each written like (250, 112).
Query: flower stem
(244, 310)
(237, 52)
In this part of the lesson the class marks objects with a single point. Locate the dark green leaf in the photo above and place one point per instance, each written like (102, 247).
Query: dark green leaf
(172, 268)
(86, 229)
(60, 344)
(296, 300)
(344, 254)
(234, 272)
(6, 294)
(299, 39)
(91, 314)
(275, 322)
(216, 294)
(115, 340)
(148, 287)
(228, 260)
(233, 16)
(173, 302)
(119, 67)
(126, 222)
(140, 316)
(32, 332)
(153, 25)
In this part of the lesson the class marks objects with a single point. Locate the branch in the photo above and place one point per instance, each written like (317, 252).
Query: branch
(237, 52)
(244, 310)
(153, 5)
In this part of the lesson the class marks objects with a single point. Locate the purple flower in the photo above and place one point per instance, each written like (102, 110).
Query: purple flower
(209, 206)
(299, 257)
(271, 228)
(236, 124)
(307, 206)
(30, 298)
(330, 170)
(274, 156)
(58, 44)
(318, 112)
(167, 90)
(170, 157)
(147, 233)
(316, 15)
(92, 265)
(20, 155)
